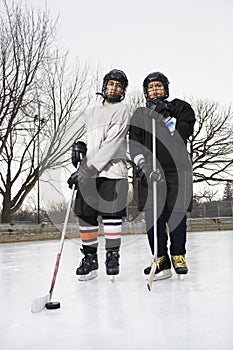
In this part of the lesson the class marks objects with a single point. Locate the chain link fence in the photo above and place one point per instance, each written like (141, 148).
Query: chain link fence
(215, 209)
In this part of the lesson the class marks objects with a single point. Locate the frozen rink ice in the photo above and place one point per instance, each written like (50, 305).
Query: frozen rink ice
(193, 314)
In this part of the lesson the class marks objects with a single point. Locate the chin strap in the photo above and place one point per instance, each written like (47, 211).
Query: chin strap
(99, 93)
(111, 99)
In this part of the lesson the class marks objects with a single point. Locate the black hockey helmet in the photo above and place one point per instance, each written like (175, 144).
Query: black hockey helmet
(156, 76)
(117, 75)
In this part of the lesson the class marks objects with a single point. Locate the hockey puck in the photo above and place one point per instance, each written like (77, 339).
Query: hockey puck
(52, 305)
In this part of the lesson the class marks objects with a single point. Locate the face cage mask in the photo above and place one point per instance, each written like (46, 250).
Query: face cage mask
(156, 77)
(158, 98)
(112, 99)
(118, 76)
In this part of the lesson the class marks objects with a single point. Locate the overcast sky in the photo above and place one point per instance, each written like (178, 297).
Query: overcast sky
(189, 41)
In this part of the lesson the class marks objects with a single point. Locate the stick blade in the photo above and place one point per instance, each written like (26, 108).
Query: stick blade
(151, 276)
(39, 303)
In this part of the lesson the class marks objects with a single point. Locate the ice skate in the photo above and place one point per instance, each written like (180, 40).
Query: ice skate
(112, 262)
(163, 268)
(88, 266)
(179, 264)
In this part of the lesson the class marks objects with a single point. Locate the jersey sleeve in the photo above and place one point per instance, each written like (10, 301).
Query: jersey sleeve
(185, 116)
(136, 136)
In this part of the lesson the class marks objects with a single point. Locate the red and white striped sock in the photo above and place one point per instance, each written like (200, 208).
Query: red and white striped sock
(112, 232)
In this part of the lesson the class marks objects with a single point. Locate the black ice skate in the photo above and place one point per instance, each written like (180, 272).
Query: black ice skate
(179, 264)
(88, 266)
(163, 268)
(112, 261)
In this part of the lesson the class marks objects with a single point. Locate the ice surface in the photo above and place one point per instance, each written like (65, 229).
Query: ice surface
(195, 313)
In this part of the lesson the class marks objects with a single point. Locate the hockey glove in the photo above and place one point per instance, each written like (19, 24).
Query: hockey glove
(85, 173)
(81, 176)
(79, 150)
(73, 180)
(155, 176)
(146, 175)
(158, 106)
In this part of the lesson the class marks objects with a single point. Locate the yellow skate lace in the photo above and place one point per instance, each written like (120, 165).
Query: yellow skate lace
(179, 260)
(160, 260)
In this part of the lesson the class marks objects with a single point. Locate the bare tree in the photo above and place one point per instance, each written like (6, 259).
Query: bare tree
(25, 39)
(207, 194)
(40, 103)
(228, 191)
(135, 99)
(211, 146)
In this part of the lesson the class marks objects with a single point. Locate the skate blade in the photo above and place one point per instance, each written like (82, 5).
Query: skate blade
(180, 277)
(162, 275)
(90, 276)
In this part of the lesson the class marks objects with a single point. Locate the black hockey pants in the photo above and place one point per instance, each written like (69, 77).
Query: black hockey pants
(175, 223)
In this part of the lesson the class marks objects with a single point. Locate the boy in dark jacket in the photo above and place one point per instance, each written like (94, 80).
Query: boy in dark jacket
(174, 125)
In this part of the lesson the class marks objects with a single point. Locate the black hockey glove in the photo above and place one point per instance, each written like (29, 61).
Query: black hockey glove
(81, 176)
(85, 173)
(73, 180)
(79, 150)
(156, 176)
(158, 106)
(146, 175)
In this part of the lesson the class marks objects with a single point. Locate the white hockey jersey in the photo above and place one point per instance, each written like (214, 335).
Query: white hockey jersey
(106, 127)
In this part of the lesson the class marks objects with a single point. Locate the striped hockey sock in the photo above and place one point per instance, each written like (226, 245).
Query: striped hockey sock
(89, 232)
(112, 232)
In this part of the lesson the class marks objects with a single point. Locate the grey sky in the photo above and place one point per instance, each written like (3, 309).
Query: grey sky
(189, 41)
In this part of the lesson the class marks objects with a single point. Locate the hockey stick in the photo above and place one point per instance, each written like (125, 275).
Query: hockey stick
(40, 303)
(153, 267)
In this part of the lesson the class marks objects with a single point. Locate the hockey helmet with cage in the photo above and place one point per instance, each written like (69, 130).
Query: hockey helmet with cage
(156, 76)
(117, 75)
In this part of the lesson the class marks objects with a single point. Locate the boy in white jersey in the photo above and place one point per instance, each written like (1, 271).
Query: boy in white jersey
(101, 179)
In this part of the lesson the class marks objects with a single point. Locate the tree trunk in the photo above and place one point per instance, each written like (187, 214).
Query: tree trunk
(6, 209)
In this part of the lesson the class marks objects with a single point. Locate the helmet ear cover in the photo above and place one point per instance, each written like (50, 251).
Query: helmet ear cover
(117, 75)
(156, 76)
